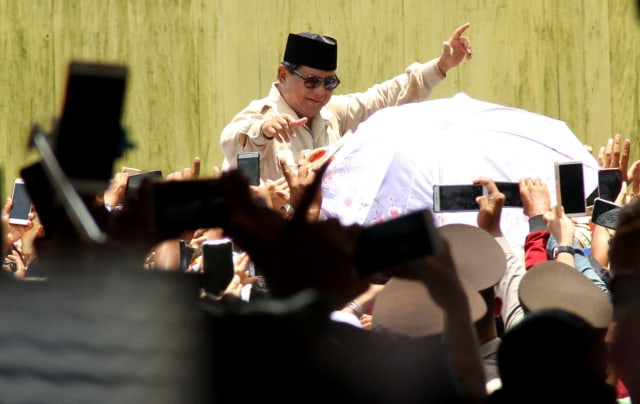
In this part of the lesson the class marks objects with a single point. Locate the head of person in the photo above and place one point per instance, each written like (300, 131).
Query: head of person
(307, 74)
(556, 356)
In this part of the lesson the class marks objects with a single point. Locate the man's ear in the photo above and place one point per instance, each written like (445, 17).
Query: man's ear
(497, 306)
(282, 73)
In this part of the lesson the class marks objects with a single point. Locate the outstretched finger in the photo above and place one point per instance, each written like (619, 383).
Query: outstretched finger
(196, 167)
(309, 194)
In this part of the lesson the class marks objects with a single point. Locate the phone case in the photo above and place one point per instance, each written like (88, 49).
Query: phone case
(21, 207)
(570, 192)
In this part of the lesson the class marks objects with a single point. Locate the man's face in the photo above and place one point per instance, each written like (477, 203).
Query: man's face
(307, 102)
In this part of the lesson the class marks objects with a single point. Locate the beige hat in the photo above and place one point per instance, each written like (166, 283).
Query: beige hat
(479, 258)
(406, 307)
(555, 285)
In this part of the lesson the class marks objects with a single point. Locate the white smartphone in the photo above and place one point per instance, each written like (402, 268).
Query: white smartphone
(456, 198)
(570, 191)
(21, 203)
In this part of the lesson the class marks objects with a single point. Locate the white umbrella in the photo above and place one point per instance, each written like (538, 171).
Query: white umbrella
(389, 165)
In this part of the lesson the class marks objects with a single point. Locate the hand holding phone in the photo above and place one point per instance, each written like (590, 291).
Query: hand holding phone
(21, 206)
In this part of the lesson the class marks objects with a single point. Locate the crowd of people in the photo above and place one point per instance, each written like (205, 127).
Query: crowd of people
(464, 320)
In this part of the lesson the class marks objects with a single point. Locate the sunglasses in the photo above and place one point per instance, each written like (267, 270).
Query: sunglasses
(330, 83)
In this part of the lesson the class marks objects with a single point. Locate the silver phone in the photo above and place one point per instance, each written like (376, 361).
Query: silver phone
(457, 197)
(21, 208)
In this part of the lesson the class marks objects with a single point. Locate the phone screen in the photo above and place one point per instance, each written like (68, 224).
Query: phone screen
(21, 208)
(570, 188)
(249, 165)
(511, 191)
(609, 183)
(217, 262)
(90, 121)
(456, 197)
(605, 213)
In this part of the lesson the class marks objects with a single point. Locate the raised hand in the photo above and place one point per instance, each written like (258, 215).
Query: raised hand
(281, 127)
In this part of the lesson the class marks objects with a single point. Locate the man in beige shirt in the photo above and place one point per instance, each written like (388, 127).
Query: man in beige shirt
(300, 111)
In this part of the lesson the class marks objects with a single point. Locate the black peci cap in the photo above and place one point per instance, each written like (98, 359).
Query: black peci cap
(313, 50)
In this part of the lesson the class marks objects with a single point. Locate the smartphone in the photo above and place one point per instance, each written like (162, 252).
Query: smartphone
(570, 191)
(21, 208)
(178, 206)
(609, 183)
(452, 198)
(511, 191)
(187, 254)
(90, 122)
(217, 264)
(249, 165)
(396, 241)
(130, 170)
(136, 179)
(605, 213)
(43, 196)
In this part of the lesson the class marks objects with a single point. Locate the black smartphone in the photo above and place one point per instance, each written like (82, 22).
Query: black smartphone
(21, 207)
(609, 183)
(249, 165)
(177, 206)
(89, 137)
(43, 196)
(461, 197)
(187, 254)
(136, 179)
(396, 241)
(511, 191)
(570, 191)
(217, 265)
(605, 213)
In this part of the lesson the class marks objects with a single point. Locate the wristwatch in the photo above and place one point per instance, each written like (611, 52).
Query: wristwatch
(563, 249)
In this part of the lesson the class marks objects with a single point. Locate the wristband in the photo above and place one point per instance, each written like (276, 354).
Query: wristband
(563, 249)
(357, 309)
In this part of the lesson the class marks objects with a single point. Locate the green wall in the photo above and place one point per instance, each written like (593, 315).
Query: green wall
(195, 63)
